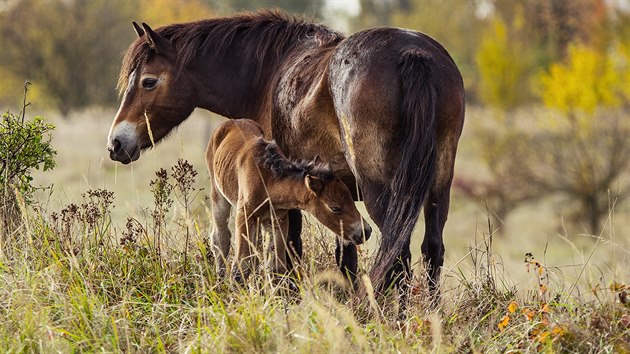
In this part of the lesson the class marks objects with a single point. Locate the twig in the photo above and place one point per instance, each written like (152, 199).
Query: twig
(24, 104)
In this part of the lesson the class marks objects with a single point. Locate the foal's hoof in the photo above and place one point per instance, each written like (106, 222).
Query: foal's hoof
(221, 273)
(238, 276)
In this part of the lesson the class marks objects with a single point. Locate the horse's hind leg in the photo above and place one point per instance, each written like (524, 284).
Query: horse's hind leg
(220, 236)
(436, 207)
(435, 213)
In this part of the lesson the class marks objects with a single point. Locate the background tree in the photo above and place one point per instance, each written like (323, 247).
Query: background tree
(500, 182)
(454, 24)
(69, 49)
(505, 63)
(586, 159)
(163, 12)
(311, 8)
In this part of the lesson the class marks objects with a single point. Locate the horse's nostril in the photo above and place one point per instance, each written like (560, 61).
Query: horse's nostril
(115, 146)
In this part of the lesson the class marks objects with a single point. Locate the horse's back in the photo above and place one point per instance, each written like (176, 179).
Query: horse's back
(369, 62)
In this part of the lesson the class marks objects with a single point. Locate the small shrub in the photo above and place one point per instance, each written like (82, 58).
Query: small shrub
(24, 145)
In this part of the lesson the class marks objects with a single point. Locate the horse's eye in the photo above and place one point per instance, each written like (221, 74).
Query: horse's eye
(335, 210)
(149, 83)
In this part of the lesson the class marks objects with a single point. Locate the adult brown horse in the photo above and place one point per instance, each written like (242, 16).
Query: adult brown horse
(385, 106)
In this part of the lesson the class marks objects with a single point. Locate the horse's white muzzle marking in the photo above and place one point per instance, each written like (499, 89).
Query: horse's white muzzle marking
(122, 143)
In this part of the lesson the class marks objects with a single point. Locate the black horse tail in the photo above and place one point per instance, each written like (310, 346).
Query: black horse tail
(405, 196)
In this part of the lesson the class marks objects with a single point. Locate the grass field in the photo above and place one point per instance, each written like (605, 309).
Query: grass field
(110, 276)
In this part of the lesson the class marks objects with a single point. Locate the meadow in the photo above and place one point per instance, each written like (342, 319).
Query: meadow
(127, 269)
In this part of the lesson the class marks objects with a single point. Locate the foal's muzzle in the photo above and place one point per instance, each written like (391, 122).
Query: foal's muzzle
(361, 234)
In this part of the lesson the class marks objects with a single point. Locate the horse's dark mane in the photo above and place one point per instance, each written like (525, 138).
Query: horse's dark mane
(265, 35)
(270, 156)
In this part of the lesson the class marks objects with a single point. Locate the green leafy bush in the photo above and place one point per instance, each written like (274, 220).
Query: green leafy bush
(25, 145)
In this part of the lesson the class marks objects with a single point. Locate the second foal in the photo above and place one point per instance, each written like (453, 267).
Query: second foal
(254, 176)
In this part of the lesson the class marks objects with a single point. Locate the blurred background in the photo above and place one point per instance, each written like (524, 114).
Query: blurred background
(543, 163)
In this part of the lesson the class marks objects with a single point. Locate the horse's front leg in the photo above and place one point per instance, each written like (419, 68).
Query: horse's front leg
(294, 238)
(347, 260)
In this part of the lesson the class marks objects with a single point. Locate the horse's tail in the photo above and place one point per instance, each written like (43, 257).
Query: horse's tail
(416, 170)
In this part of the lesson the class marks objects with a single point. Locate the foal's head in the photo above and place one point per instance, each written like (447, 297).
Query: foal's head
(329, 200)
(156, 98)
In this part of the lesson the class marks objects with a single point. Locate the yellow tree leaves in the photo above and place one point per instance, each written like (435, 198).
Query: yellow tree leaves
(164, 12)
(504, 64)
(587, 80)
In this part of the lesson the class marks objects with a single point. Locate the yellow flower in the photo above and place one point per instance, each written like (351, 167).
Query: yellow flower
(504, 322)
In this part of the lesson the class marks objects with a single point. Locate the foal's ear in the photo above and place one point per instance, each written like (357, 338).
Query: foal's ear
(160, 44)
(314, 184)
(317, 161)
(138, 29)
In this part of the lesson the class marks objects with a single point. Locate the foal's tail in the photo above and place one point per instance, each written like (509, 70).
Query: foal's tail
(411, 182)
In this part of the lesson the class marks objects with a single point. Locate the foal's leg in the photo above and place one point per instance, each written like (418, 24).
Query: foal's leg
(246, 243)
(220, 236)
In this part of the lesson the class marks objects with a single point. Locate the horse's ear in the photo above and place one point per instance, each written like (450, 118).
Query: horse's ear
(160, 44)
(314, 184)
(317, 159)
(138, 29)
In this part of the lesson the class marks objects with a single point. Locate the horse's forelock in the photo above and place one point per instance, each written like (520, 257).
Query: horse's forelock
(138, 52)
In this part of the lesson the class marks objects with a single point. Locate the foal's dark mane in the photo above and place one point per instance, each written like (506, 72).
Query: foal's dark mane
(270, 156)
(265, 36)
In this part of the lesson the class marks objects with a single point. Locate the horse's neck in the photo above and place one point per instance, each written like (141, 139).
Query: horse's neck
(229, 87)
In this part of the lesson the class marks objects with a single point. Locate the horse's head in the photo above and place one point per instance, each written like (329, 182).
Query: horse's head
(156, 97)
(331, 203)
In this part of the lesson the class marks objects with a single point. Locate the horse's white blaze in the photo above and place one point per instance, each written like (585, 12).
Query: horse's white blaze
(123, 131)
(131, 81)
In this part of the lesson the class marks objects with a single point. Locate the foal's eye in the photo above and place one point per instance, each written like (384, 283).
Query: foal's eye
(149, 83)
(335, 210)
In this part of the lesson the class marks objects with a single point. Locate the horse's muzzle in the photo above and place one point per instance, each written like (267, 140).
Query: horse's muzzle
(361, 234)
(122, 143)
(121, 153)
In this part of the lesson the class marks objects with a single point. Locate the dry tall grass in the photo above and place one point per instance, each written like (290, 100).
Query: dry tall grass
(108, 275)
